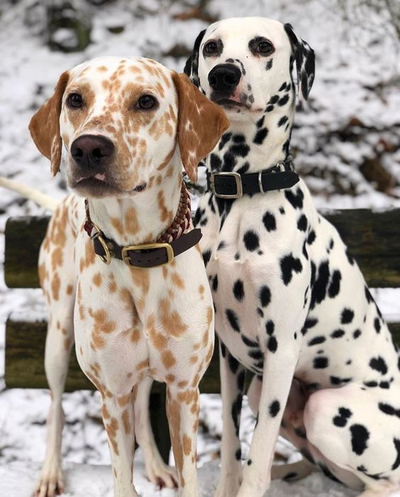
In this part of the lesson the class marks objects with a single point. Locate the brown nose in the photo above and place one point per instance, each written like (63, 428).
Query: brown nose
(91, 151)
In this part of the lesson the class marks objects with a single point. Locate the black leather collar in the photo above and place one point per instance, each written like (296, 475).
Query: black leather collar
(235, 185)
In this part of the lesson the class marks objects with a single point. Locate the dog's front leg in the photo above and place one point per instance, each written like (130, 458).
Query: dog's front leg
(278, 374)
(118, 418)
(183, 418)
(157, 471)
(232, 386)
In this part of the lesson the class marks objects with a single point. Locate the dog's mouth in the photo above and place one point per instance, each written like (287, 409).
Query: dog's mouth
(98, 186)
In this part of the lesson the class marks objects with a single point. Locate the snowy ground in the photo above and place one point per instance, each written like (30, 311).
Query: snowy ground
(96, 481)
(28, 74)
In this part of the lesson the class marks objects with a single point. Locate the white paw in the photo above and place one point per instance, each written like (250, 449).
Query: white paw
(161, 474)
(51, 481)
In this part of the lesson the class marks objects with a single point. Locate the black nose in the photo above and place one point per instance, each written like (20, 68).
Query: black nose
(91, 151)
(224, 77)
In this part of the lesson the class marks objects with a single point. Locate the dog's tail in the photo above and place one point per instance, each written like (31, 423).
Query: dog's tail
(41, 199)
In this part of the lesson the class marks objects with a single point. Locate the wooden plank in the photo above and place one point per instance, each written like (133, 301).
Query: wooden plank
(373, 239)
(24, 366)
(25, 343)
(24, 236)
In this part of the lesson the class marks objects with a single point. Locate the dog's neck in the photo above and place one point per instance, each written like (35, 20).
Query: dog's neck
(247, 148)
(143, 217)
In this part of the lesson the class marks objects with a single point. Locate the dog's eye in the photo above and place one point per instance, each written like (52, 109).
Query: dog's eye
(75, 101)
(146, 102)
(265, 48)
(210, 48)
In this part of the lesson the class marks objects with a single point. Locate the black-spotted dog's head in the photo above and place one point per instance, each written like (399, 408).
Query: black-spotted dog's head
(245, 65)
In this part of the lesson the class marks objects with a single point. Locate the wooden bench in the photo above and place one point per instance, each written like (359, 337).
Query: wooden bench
(373, 239)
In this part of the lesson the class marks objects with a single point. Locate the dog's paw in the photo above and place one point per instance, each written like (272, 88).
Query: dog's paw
(161, 474)
(50, 483)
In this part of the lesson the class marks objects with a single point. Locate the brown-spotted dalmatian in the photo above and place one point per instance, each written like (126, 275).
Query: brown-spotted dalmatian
(125, 126)
(291, 305)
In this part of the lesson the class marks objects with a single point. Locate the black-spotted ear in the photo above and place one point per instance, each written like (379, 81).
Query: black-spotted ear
(192, 64)
(305, 63)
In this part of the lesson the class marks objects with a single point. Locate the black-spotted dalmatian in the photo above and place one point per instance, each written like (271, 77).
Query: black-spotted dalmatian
(291, 305)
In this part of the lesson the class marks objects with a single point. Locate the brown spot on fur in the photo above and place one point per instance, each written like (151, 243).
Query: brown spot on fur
(55, 286)
(177, 281)
(97, 279)
(187, 445)
(168, 359)
(170, 378)
(171, 320)
(126, 421)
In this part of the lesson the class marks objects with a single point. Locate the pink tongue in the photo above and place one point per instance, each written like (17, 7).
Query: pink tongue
(100, 177)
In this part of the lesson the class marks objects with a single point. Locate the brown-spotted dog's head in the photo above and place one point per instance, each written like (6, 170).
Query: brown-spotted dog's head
(120, 121)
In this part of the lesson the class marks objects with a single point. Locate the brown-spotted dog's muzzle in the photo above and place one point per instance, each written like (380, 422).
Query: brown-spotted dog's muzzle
(92, 156)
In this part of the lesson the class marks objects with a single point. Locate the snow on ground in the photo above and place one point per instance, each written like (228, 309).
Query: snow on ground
(96, 481)
(28, 75)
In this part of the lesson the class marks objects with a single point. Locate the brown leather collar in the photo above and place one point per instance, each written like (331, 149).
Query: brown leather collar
(168, 245)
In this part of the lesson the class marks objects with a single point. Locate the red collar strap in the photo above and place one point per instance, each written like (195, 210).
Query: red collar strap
(168, 245)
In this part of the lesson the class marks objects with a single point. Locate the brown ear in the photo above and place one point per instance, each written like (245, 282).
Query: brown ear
(45, 125)
(201, 124)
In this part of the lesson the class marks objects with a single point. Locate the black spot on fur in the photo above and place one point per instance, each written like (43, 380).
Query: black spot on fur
(256, 354)
(251, 241)
(274, 408)
(238, 290)
(295, 198)
(347, 316)
(309, 323)
(290, 264)
(282, 121)
(302, 223)
(311, 237)
(241, 380)
(233, 363)
(341, 419)
(320, 285)
(283, 101)
(359, 438)
(272, 345)
(334, 287)
(269, 327)
(238, 455)
(321, 362)
(224, 140)
(233, 320)
(269, 221)
(377, 325)
(379, 364)
(269, 64)
(388, 409)
(215, 283)
(356, 334)
(337, 333)
(215, 162)
(248, 342)
(265, 296)
(260, 136)
(316, 341)
(335, 380)
(206, 257)
(396, 463)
